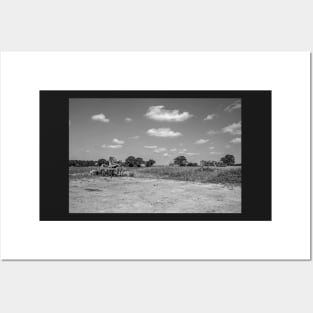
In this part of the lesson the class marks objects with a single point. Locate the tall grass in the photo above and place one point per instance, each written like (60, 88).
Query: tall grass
(223, 175)
(195, 174)
(79, 172)
(80, 169)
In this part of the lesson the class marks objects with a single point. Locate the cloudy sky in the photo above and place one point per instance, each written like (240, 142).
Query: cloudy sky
(160, 129)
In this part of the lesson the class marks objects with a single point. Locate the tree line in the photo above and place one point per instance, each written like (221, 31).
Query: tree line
(227, 160)
(131, 161)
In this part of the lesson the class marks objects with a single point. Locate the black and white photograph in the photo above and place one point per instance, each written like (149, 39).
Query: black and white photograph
(166, 154)
(154, 170)
(155, 155)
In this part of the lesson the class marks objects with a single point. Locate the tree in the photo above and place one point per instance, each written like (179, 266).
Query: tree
(181, 160)
(192, 164)
(228, 159)
(71, 163)
(139, 161)
(130, 161)
(102, 161)
(150, 163)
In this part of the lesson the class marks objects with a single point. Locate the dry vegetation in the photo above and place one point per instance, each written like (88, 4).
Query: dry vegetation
(195, 174)
(223, 175)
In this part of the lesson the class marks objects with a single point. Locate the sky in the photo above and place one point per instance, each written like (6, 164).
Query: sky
(158, 129)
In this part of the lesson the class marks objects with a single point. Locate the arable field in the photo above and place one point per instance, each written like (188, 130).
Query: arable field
(158, 189)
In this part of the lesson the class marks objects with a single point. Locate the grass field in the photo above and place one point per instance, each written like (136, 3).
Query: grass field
(157, 189)
(217, 175)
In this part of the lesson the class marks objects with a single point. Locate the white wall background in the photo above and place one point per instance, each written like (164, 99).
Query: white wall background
(151, 286)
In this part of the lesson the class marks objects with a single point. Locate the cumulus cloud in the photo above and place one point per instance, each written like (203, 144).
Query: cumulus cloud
(100, 117)
(128, 119)
(182, 151)
(165, 154)
(151, 147)
(173, 150)
(158, 113)
(201, 141)
(192, 153)
(212, 148)
(215, 152)
(112, 146)
(234, 129)
(209, 117)
(233, 106)
(134, 137)
(115, 146)
(163, 132)
(119, 142)
(158, 150)
(236, 140)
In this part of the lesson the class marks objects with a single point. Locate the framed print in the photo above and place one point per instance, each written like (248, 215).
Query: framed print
(155, 155)
(166, 128)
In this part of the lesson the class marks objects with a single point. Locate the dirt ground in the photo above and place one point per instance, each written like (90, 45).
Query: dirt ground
(142, 195)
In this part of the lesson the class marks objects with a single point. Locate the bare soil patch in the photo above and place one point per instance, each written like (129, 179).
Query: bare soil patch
(145, 195)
